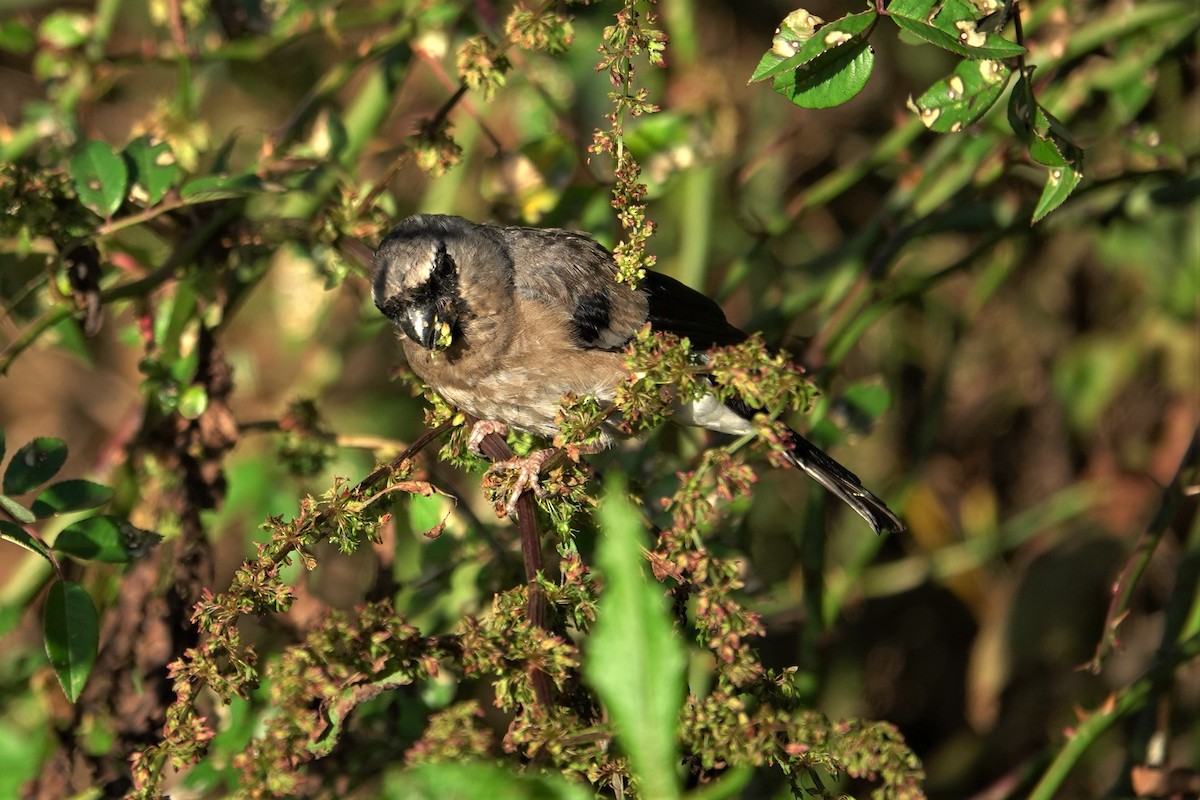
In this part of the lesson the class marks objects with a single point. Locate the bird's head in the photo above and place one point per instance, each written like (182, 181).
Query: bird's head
(417, 279)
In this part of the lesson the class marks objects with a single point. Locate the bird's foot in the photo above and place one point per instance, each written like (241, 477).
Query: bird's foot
(480, 430)
(528, 471)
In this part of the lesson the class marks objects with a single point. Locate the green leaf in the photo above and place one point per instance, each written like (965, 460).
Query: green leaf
(426, 514)
(219, 187)
(810, 46)
(1060, 182)
(153, 167)
(100, 177)
(107, 539)
(952, 26)
(17, 511)
(19, 536)
(833, 78)
(65, 29)
(16, 37)
(478, 781)
(72, 635)
(1049, 144)
(70, 495)
(634, 658)
(955, 102)
(34, 464)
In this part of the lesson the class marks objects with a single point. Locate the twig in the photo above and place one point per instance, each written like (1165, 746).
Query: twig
(496, 449)
(1135, 567)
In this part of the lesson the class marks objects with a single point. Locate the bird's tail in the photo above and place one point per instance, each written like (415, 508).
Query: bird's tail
(845, 484)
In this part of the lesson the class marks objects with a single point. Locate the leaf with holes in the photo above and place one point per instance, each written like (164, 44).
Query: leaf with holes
(101, 178)
(34, 464)
(808, 40)
(831, 79)
(1049, 144)
(153, 167)
(71, 635)
(955, 102)
(107, 539)
(1059, 185)
(952, 26)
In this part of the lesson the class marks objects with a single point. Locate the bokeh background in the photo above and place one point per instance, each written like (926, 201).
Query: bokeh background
(1021, 393)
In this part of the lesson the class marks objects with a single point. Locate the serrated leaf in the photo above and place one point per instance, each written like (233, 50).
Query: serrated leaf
(831, 79)
(796, 29)
(19, 536)
(1049, 144)
(17, 511)
(105, 538)
(1059, 185)
(34, 464)
(634, 659)
(153, 167)
(70, 495)
(72, 635)
(1046, 152)
(951, 27)
(959, 100)
(219, 187)
(101, 178)
(824, 39)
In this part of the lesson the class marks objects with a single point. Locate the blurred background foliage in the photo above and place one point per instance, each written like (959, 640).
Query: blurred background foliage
(1021, 393)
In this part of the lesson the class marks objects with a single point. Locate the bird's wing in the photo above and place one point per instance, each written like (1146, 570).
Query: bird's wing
(573, 278)
(572, 272)
(677, 308)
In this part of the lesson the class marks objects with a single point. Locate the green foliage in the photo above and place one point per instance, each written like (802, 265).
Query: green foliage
(819, 71)
(819, 65)
(72, 635)
(190, 196)
(101, 178)
(71, 629)
(634, 658)
(34, 464)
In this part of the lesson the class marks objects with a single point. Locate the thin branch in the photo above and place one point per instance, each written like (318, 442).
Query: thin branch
(496, 449)
(1135, 567)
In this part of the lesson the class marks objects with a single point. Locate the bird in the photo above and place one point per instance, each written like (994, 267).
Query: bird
(505, 321)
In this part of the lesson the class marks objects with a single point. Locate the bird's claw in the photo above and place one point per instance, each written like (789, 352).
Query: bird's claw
(480, 430)
(528, 471)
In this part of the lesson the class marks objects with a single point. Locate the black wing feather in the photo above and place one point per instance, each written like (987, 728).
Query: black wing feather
(679, 309)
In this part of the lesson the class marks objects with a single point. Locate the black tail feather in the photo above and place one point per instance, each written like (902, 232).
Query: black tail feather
(845, 484)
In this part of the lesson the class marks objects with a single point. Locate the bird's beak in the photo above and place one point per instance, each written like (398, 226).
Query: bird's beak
(423, 325)
(419, 322)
